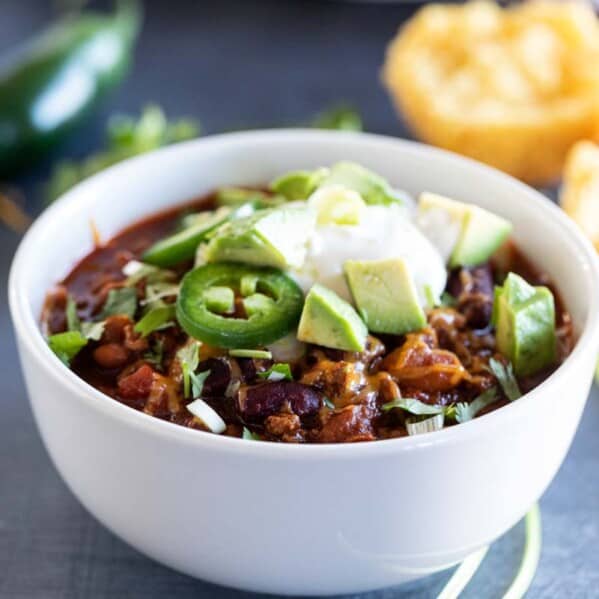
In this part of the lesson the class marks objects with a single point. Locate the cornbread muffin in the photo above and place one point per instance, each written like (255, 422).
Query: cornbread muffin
(514, 87)
(579, 195)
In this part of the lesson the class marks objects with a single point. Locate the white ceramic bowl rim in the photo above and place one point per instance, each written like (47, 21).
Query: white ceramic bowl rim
(27, 326)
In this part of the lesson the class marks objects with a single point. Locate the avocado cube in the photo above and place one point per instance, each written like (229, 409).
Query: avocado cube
(385, 295)
(473, 234)
(298, 185)
(275, 237)
(372, 187)
(524, 319)
(330, 321)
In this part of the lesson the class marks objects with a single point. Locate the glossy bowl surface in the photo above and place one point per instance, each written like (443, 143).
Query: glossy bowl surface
(291, 519)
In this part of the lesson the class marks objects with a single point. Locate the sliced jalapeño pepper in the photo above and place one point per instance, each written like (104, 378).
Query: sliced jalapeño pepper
(182, 246)
(278, 317)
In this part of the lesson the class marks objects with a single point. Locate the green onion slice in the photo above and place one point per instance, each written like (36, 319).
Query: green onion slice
(257, 354)
(463, 575)
(530, 555)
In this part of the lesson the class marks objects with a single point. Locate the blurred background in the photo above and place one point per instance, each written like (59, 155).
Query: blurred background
(121, 84)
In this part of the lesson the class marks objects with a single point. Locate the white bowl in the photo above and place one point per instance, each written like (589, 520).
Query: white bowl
(288, 519)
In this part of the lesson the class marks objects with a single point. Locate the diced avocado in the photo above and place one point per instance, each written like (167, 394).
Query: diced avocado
(373, 188)
(298, 185)
(385, 295)
(275, 237)
(337, 204)
(257, 303)
(236, 196)
(524, 319)
(219, 299)
(475, 233)
(330, 321)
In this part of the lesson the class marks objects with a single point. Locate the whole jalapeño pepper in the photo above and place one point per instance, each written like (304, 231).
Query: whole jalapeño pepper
(53, 80)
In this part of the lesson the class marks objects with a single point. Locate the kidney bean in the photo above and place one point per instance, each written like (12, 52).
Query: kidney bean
(219, 378)
(473, 288)
(261, 401)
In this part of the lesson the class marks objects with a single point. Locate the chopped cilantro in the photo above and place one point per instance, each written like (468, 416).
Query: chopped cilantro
(448, 300)
(156, 318)
(90, 330)
(136, 271)
(277, 372)
(67, 345)
(467, 411)
(122, 300)
(341, 117)
(73, 322)
(248, 435)
(414, 406)
(155, 354)
(197, 382)
(93, 330)
(189, 359)
(155, 292)
(125, 137)
(505, 376)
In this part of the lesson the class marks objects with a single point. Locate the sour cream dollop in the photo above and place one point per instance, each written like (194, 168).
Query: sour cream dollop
(383, 232)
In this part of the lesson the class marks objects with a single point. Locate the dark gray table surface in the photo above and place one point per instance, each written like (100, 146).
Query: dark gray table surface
(236, 63)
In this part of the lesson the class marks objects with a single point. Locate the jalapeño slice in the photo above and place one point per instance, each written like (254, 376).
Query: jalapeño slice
(182, 246)
(268, 321)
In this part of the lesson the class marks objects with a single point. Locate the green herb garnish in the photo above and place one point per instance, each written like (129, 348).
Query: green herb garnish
(248, 435)
(93, 330)
(125, 137)
(448, 300)
(414, 406)
(156, 318)
(197, 382)
(153, 275)
(328, 403)
(258, 354)
(340, 117)
(67, 345)
(122, 300)
(463, 411)
(90, 330)
(155, 292)
(505, 376)
(73, 322)
(277, 372)
(156, 353)
(189, 359)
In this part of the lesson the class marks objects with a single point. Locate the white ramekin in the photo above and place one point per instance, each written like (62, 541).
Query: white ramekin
(300, 519)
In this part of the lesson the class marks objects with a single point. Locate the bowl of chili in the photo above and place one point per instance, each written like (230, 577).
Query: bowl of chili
(290, 518)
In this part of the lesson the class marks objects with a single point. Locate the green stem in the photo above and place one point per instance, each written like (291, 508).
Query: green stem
(528, 567)
(530, 556)
(463, 575)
